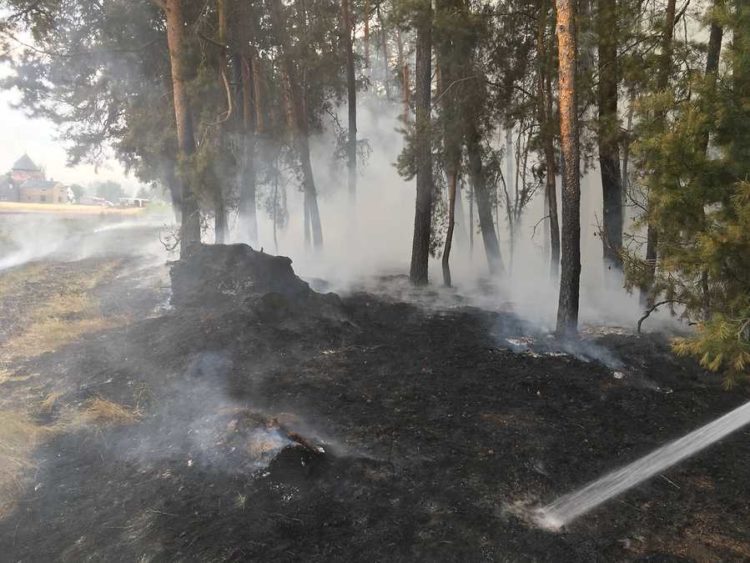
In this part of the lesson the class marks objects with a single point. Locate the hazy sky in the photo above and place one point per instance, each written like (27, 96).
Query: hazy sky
(20, 134)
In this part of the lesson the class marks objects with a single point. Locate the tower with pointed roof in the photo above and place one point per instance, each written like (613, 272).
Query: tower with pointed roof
(24, 169)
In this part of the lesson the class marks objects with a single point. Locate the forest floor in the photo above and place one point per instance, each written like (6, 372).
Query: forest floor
(132, 431)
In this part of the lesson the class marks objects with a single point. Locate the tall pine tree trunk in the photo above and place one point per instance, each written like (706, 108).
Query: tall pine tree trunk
(453, 60)
(220, 213)
(547, 133)
(298, 117)
(652, 234)
(484, 205)
(245, 77)
(366, 21)
(712, 66)
(452, 180)
(423, 210)
(190, 230)
(570, 274)
(248, 180)
(351, 88)
(608, 136)
(386, 56)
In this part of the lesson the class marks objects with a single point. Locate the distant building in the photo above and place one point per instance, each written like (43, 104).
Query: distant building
(24, 169)
(26, 182)
(43, 191)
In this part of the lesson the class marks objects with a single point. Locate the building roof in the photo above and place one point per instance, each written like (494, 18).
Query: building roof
(26, 164)
(39, 184)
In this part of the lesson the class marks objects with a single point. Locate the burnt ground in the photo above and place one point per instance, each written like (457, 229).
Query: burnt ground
(431, 428)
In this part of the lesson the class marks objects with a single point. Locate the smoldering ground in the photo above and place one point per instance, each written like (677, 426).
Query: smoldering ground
(434, 426)
(28, 237)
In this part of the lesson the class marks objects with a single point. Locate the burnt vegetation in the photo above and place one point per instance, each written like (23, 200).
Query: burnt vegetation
(577, 173)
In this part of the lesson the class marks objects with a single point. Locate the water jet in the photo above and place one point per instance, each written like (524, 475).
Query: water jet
(567, 508)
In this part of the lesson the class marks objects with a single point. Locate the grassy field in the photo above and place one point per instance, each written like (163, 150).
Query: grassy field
(7, 207)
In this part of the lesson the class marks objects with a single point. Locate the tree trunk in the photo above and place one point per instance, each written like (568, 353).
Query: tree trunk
(404, 70)
(247, 119)
(299, 120)
(259, 92)
(712, 66)
(712, 59)
(220, 214)
(175, 191)
(547, 133)
(248, 196)
(471, 222)
(608, 136)
(406, 92)
(351, 88)
(452, 61)
(570, 274)
(484, 205)
(550, 193)
(384, 47)
(190, 230)
(366, 21)
(452, 180)
(652, 235)
(423, 211)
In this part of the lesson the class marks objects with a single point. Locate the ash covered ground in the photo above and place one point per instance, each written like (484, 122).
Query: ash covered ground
(256, 419)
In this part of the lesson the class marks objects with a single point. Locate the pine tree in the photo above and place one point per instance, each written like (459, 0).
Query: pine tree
(570, 269)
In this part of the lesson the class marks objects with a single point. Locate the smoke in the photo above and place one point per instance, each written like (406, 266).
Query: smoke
(194, 422)
(373, 239)
(30, 237)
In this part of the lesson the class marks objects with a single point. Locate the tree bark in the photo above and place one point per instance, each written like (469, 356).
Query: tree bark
(246, 78)
(366, 21)
(220, 214)
(175, 190)
(484, 205)
(423, 211)
(652, 234)
(248, 176)
(351, 88)
(403, 68)
(570, 274)
(190, 229)
(452, 60)
(547, 132)
(452, 180)
(712, 66)
(608, 136)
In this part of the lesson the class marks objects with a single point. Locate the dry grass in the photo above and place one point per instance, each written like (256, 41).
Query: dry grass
(52, 307)
(103, 412)
(11, 282)
(19, 435)
(49, 403)
(67, 312)
(51, 334)
(66, 209)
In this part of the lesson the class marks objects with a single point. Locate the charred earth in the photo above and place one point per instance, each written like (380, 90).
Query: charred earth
(256, 419)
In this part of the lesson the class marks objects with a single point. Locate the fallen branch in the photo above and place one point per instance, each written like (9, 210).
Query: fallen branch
(653, 308)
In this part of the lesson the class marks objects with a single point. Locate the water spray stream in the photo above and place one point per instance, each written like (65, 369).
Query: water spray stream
(569, 507)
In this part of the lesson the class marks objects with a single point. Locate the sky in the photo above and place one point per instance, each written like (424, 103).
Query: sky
(38, 138)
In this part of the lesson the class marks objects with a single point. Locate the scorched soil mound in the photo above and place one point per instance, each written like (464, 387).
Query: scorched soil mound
(276, 424)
